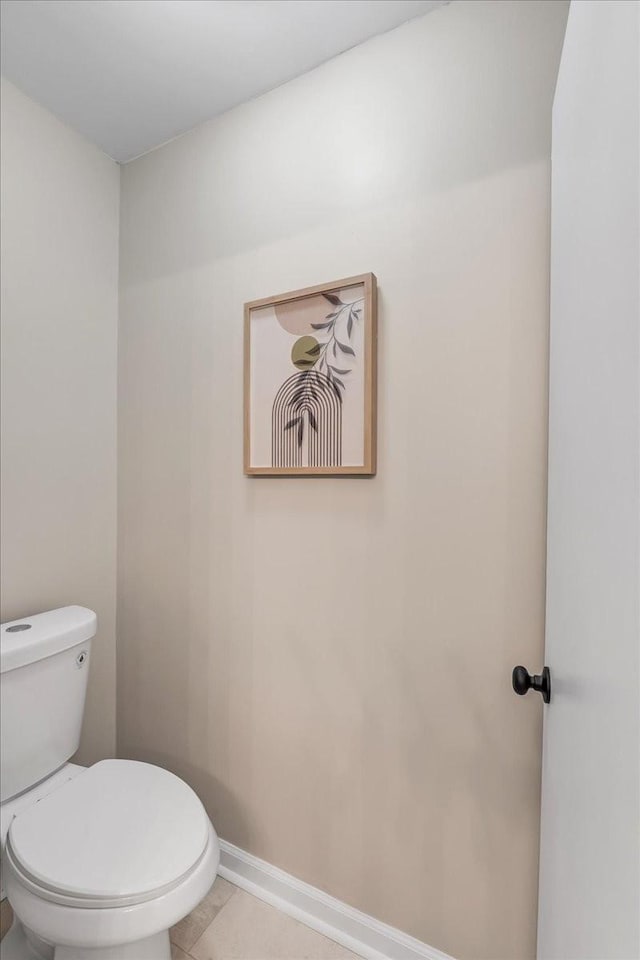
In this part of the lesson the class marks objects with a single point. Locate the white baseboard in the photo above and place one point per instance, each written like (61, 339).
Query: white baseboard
(352, 929)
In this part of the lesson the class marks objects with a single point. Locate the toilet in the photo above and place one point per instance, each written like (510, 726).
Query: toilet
(99, 862)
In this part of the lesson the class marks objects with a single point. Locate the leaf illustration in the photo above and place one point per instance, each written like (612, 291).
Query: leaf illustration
(350, 324)
(321, 326)
(306, 363)
(346, 349)
(339, 382)
(341, 372)
(292, 423)
(300, 433)
(312, 351)
(331, 297)
(312, 421)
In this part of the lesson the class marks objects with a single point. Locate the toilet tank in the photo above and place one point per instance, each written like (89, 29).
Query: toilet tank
(44, 665)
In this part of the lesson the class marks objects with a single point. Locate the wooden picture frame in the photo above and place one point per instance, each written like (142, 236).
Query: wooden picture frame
(310, 366)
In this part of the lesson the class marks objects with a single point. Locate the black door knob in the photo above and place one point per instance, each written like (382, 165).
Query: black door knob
(523, 681)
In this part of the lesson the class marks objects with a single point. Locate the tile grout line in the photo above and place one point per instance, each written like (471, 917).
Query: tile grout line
(211, 922)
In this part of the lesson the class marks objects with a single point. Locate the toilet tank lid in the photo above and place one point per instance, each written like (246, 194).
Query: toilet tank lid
(33, 638)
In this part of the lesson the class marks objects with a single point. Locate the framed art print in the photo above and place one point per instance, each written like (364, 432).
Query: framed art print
(310, 381)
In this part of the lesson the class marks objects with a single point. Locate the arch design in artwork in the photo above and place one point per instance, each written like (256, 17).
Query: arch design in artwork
(306, 418)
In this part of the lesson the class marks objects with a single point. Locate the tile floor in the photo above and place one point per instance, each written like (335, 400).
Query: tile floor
(5, 917)
(230, 924)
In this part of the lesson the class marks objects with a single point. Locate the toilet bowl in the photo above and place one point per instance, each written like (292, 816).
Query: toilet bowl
(103, 865)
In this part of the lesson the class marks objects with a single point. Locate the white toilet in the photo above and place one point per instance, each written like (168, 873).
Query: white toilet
(97, 862)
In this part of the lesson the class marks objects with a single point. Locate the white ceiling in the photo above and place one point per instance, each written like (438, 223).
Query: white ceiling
(131, 74)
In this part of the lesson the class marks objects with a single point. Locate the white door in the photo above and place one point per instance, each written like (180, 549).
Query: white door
(590, 844)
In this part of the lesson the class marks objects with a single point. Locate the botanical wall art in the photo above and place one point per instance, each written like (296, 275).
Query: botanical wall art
(310, 381)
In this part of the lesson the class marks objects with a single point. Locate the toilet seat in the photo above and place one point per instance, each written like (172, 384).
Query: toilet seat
(159, 850)
(121, 833)
(94, 925)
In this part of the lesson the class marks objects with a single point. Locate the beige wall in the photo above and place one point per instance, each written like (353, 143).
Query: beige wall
(60, 199)
(328, 662)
